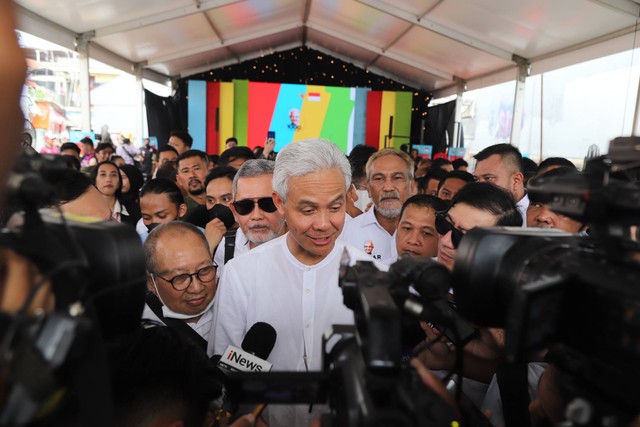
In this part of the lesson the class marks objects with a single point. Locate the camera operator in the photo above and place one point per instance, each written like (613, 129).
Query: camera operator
(475, 205)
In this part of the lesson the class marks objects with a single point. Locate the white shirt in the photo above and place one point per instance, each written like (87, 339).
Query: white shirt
(268, 284)
(242, 247)
(523, 205)
(365, 227)
(203, 326)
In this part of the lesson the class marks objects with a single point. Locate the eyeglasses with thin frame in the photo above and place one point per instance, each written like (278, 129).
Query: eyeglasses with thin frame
(246, 206)
(183, 281)
(443, 226)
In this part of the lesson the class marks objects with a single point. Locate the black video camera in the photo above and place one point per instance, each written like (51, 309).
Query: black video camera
(97, 276)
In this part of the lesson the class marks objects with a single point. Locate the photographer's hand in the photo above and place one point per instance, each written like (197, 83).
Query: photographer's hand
(439, 354)
(17, 275)
(214, 231)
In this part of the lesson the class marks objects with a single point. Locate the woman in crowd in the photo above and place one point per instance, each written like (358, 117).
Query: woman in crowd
(106, 178)
(132, 181)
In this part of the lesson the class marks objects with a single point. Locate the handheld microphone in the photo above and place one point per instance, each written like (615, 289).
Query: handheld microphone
(256, 347)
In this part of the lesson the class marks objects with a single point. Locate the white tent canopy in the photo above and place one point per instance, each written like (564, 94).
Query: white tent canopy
(435, 45)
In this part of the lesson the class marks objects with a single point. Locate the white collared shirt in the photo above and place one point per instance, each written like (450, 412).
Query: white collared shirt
(365, 227)
(268, 284)
(523, 205)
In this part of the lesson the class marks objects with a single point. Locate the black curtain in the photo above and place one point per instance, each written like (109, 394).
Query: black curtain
(440, 121)
(163, 116)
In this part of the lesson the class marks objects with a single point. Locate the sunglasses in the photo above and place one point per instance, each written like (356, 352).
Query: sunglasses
(443, 227)
(246, 206)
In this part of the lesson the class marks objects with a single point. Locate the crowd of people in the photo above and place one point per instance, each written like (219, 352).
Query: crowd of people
(258, 236)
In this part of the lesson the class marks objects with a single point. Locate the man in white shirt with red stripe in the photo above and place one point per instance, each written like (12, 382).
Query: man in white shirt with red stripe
(291, 282)
(390, 184)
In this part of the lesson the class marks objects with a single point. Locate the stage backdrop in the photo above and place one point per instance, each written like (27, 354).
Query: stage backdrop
(249, 110)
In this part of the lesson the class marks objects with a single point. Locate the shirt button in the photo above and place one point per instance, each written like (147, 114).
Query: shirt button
(306, 325)
(307, 291)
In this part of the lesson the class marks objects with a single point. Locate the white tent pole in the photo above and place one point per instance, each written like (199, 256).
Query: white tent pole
(139, 105)
(82, 47)
(457, 121)
(518, 101)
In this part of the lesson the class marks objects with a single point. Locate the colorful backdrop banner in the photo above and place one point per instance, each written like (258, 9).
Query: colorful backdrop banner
(249, 110)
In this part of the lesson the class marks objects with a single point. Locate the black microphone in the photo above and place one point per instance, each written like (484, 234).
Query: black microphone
(256, 347)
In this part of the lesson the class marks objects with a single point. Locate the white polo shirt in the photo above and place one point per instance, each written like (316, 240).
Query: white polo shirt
(364, 228)
(268, 284)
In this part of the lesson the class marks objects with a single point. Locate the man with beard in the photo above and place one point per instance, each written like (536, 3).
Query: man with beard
(390, 184)
(190, 176)
(253, 209)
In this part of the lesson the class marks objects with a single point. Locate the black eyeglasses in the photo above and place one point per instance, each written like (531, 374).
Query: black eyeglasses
(182, 281)
(246, 206)
(443, 227)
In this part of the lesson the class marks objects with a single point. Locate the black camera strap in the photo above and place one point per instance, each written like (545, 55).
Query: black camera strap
(229, 244)
(178, 325)
(514, 393)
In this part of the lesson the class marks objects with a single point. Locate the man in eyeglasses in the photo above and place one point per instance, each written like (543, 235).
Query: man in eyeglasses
(477, 204)
(253, 209)
(181, 279)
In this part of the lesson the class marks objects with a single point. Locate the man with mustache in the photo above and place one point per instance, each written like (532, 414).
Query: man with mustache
(190, 176)
(390, 183)
(253, 209)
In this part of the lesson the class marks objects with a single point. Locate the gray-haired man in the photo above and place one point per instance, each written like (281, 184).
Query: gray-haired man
(292, 282)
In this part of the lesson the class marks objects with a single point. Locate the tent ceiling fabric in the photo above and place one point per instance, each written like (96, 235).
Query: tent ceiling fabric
(430, 44)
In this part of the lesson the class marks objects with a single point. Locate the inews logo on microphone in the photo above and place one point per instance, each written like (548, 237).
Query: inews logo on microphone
(235, 359)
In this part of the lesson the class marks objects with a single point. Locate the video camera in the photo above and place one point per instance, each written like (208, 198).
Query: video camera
(577, 295)
(97, 275)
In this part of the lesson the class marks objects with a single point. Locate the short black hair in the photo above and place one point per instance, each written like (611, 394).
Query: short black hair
(432, 173)
(492, 199)
(184, 136)
(87, 140)
(163, 186)
(358, 160)
(462, 175)
(231, 139)
(220, 172)
(439, 162)
(103, 146)
(460, 163)
(72, 185)
(233, 153)
(167, 148)
(425, 201)
(506, 151)
(193, 153)
(158, 371)
(70, 146)
(555, 161)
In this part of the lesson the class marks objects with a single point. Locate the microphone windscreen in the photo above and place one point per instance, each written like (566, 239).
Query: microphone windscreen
(259, 340)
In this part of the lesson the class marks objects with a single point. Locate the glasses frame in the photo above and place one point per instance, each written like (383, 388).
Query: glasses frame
(190, 280)
(443, 226)
(257, 202)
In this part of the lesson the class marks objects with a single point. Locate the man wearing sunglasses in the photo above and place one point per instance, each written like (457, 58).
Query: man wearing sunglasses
(478, 204)
(181, 279)
(291, 282)
(390, 183)
(253, 209)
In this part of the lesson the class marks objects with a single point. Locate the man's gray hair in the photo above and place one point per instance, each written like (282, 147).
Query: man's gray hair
(256, 167)
(151, 244)
(305, 157)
